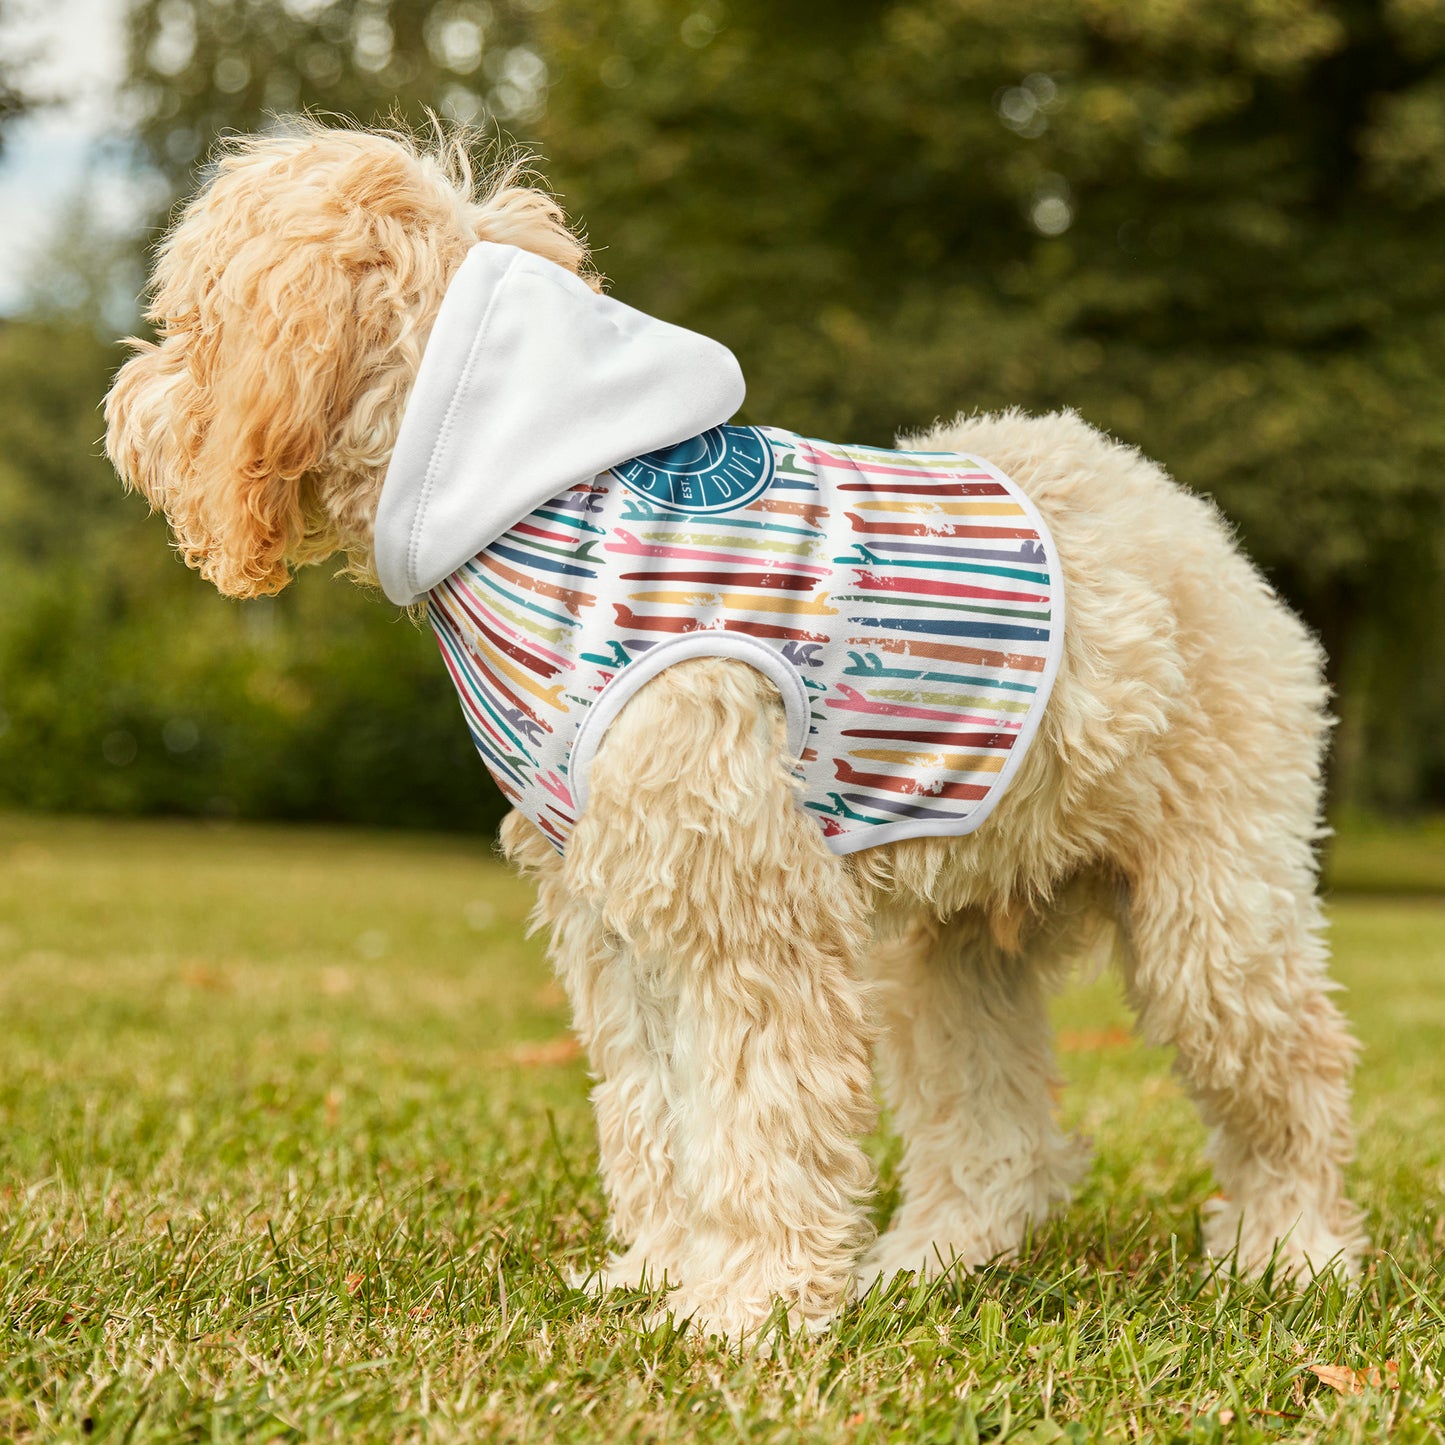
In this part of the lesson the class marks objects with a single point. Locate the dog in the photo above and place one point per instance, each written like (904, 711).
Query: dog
(732, 969)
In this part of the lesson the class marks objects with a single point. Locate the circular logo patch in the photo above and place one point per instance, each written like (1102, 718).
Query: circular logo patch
(717, 471)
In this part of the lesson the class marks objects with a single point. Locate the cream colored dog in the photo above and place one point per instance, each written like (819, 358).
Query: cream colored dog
(731, 977)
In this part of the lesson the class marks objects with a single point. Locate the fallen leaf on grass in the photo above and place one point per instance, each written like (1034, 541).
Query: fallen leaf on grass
(196, 974)
(1346, 1381)
(335, 982)
(551, 1051)
(354, 1283)
(1084, 1041)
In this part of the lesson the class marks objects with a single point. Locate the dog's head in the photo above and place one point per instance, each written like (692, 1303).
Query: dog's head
(291, 301)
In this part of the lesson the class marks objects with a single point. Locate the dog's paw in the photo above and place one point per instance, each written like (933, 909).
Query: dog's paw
(752, 1324)
(634, 1270)
(916, 1252)
(925, 1263)
(965, 1229)
(1299, 1246)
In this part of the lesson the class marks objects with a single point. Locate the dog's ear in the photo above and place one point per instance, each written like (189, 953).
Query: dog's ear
(277, 357)
(221, 423)
(262, 370)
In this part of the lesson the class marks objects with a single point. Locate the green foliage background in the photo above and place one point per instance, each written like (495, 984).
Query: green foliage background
(1215, 227)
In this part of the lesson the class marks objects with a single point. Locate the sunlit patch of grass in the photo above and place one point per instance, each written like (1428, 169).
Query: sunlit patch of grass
(290, 1147)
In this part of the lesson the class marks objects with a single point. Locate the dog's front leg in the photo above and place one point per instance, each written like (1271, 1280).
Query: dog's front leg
(741, 931)
(622, 1012)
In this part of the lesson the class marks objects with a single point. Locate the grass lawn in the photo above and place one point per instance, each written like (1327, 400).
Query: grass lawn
(293, 1146)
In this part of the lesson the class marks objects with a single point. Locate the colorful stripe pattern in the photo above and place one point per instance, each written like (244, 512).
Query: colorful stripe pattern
(914, 595)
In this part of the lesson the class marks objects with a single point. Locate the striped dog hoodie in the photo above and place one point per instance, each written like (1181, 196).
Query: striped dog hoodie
(568, 500)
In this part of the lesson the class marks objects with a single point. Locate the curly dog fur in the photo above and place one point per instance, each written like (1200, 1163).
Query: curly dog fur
(731, 979)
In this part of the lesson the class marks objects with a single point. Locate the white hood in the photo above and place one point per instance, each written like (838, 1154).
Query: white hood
(530, 383)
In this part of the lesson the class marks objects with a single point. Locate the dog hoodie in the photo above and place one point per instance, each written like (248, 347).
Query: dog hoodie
(569, 499)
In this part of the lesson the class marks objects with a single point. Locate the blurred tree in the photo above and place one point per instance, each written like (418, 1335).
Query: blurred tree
(1213, 226)
(14, 101)
(201, 67)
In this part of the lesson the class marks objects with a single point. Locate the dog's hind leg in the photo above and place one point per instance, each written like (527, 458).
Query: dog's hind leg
(744, 931)
(1228, 965)
(966, 1062)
